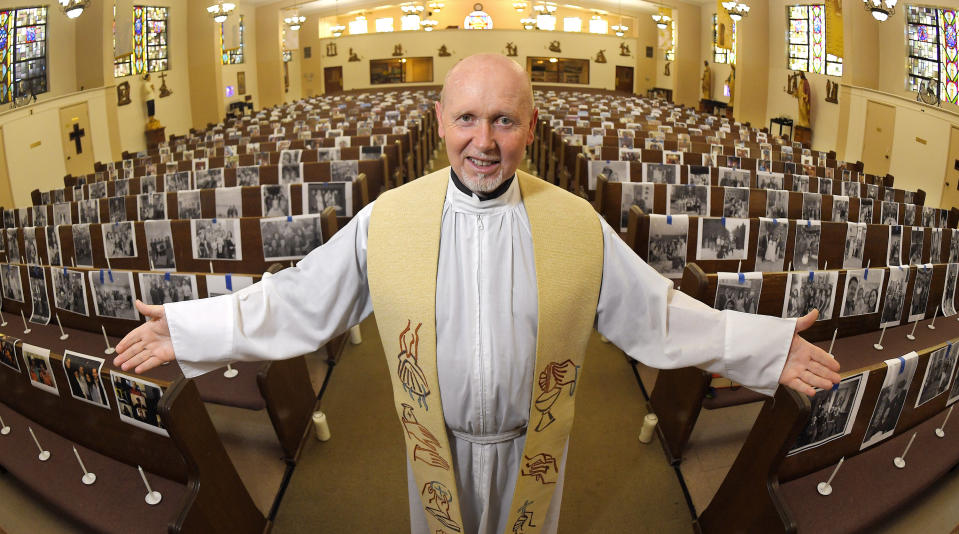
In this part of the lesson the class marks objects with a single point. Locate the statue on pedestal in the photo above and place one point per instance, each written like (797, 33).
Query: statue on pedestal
(149, 96)
(731, 83)
(707, 82)
(800, 89)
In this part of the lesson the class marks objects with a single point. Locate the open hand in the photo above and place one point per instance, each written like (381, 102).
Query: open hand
(808, 366)
(148, 345)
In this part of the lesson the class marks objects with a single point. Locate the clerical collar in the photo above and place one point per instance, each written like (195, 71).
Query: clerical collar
(503, 187)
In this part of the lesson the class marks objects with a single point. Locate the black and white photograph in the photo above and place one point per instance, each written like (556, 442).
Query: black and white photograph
(929, 216)
(275, 200)
(953, 245)
(855, 245)
(733, 177)
(738, 291)
(657, 173)
(631, 154)
(151, 207)
(948, 306)
(892, 398)
(768, 180)
(895, 297)
(216, 239)
(939, 369)
(668, 236)
(148, 184)
(862, 291)
(849, 189)
(229, 202)
(138, 401)
(613, 171)
(84, 376)
(53, 245)
(722, 238)
(920, 293)
(37, 360)
(371, 152)
(164, 288)
(188, 205)
(840, 209)
(894, 247)
(159, 237)
(698, 175)
(825, 187)
(916, 235)
(113, 294)
(889, 213)
(117, 206)
(289, 157)
(224, 284)
(343, 141)
(9, 218)
(209, 178)
(866, 210)
(39, 215)
(954, 392)
(812, 206)
(12, 283)
(119, 240)
(318, 196)
(8, 353)
(806, 246)
(832, 413)
(62, 213)
(31, 252)
(635, 194)
(13, 246)
(715, 152)
(935, 246)
(290, 238)
(291, 173)
(909, 215)
(736, 202)
(38, 296)
(800, 184)
(810, 290)
(97, 190)
(327, 154)
(908, 197)
(69, 291)
(771, 245)
(687, 200)
(248, 176)
(889, 194)
(23, 217)
(176, 181)
(344, 170)
(943, 219)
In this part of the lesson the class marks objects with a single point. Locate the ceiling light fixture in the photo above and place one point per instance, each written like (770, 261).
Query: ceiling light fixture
(220, 11)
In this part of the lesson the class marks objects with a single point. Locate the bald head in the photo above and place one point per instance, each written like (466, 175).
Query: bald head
(492, 67)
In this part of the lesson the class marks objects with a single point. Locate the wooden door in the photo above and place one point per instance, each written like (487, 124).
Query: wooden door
(624, 79)
(75, 135)
(877, 139)
(333, 79)
(950, 188)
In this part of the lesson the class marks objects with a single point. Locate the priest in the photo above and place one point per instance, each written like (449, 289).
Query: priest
(486, 283)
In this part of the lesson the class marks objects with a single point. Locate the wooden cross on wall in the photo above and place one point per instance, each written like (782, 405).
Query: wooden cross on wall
(75, 136)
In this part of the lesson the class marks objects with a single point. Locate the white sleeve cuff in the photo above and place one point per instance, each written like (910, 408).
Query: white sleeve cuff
(756, 349)
(202, 333)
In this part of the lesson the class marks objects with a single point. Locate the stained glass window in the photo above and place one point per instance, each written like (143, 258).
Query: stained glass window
(807, 41)
(478, 20)
(933, 51)
(150, 53)
(721, 55)
(23, 52)
(232, 56)
(671, 51)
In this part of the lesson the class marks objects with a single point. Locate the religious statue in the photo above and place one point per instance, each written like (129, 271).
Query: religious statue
(707, 82)
(148, 91)
(353, 56)
(731, 83)
(398, 50)
(666, 70)
(554, 47)
(624, 49)
(601, 56)
(444, 52)
(330, 49)
(804, 95)
(832, 92)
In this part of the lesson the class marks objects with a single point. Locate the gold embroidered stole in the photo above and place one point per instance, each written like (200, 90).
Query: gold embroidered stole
(402, 258)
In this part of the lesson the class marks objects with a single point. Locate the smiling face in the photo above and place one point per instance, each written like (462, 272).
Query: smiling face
(486, 116)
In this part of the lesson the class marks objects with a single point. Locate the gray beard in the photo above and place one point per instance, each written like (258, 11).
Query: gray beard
(484, 185)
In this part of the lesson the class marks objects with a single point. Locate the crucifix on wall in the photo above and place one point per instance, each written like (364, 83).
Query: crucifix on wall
(76, 136)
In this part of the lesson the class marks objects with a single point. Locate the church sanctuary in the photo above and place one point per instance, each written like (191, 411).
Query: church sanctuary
(353, 266)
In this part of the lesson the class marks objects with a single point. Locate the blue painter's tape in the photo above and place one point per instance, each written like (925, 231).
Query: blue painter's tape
(865, 275)
(835, 387)
(166, 276)
(724, 222)
(229, 282)
(110, 274)
(289, 218)
(214, 220)
(811, 274)
(775, 221)
(101, 276)
(808, 223)
(902, 364)
(742, 278)
(669, 219)
(64, 271)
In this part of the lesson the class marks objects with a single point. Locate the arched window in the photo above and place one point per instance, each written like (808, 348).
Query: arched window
(478, 20)
(231, 56)
(23, 52)
(149, 42)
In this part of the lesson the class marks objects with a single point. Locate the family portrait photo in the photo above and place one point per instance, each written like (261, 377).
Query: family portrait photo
(722, 238)
(138, 401)
(939, 369)
(639, 194)
(287, 238)
(84, 378)
(832, 413)
(113, 294)
(892, 398)
(742, 295)
(808, 291)
(771, 245)
(806, 246)
(668, 236)
(687, 200)
(11, 281)
(159, 237)
(38, 296)
(862, 291)
(216, 239)
(37, 360)
(317, 196)
(69, 291)
(188, 205)
(275, 200)
(119, 240)
(164, 288)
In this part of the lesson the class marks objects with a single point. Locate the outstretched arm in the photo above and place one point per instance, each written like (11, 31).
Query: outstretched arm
(147, 345)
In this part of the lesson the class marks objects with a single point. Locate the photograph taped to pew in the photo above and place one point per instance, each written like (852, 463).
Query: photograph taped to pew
(849, 189)
(915, 245)
(889, 213)
(654, 144)
(53, 245)
(371, 152)
(290, 238)
(866, 210)
(722, 238)
(229, 202)
(840, 209)
(668, 236)
(37, 360)
(736, 202)
(920, 292)
(137, 401)
(738, 291)
(216, 239)
(148, 184)
(800, 184)
(220, 284)
(729, 177)
(939, 369)
(812, 206)
(291, 173)
(40, 313)
(832, 413)
(892, 398)
(698, 175)
(12, 283)
(948, 306)
(113, 294)
(8, 353)
(151, 206)
(9, 219)
(82, 245)
(289, 157)
(687, 200)
(317, 196)
(344, 171)
(613, 171)
(861, 295)
(117, 209)
(895, 297)
(248, 176)
(894, 246)
(31, 252)
(935, 246)
(635, 194)
(808, 291)
(630, 154)
(855, 245)
(164, 288)
(825, 188)
(328, 153)
(657, 173)
(929, 216)
(85, 378)
(119, 240)
(13, 246)
(188, 205)
(69, 291)
(771, 245)
(200, 164)
(62, 213)
(159, 238)
(806, 245)
(176, 181)
(275, 200)
(909, 214)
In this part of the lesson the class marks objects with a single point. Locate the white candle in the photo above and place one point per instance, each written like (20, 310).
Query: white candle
(35, 438)
(836, 470)
(905, 452)
(77, 454)
(831, 343)
(144, 477)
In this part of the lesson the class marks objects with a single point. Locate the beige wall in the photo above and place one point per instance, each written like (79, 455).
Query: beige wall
(269, 61)
(248, 67)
